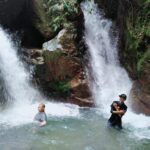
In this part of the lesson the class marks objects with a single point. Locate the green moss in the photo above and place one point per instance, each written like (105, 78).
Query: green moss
(59, 66)
(138, 29)
(54, 13)
(52, 56)
(139, 25)
(60, 87)
(39, 71)
(69, 37)
(51, 61)
(144, 60)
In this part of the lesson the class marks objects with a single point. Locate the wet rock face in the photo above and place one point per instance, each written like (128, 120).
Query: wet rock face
(135, 50)
(140, 93)
(63, 76)
(38, 21)
(62, 73)
(16, 13)
(20, 16)
(110, 7)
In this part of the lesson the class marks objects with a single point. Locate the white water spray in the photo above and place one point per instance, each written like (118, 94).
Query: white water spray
(24, 98)
(109, 79)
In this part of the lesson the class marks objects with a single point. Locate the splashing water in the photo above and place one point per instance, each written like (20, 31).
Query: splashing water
(22, 96)
(109, 79)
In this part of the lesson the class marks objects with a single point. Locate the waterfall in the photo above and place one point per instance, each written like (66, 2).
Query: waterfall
(108, 78)
(16, 78)
(23, 99)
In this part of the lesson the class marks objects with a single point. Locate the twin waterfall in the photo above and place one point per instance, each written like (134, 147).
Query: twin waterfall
(107, 78)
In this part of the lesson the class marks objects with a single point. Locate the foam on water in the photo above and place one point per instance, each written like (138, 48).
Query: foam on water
(108, 79)
(24, 114)
(23, 98)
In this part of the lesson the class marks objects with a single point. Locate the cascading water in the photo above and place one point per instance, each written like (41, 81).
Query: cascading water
(23, 98)
(109, 79)
(69, 127)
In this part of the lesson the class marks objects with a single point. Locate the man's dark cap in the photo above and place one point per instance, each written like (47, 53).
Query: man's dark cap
(124, 96)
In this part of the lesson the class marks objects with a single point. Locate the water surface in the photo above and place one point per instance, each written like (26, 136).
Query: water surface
(87, 132)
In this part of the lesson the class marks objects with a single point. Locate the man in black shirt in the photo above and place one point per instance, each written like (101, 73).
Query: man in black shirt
(118, 109)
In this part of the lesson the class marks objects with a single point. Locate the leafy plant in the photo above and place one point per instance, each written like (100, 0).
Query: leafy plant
(58, 11)
(52, 55)
(61, 87)
(138, 29)
(145, 59)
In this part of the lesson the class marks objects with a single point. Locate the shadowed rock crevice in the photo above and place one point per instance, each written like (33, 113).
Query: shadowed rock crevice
(21, 16)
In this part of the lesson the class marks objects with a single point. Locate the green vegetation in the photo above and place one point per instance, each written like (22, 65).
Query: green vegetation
(59, 71)
(54, 69)
(138, 34)
(60, 11)
(54, 73)
(143, 61)
(57, 13)
(61, 87)
(52, 56)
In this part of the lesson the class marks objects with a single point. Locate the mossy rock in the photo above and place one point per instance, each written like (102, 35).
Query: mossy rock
(54, 15)
(143, 62)
(57, 72)
(62, 88)
(60, 66)
(53, 56)
(137, 36)
(68, 39)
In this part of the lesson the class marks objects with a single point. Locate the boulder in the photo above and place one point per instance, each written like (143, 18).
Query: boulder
(60, 66)
(33, 56)
(140, 98)
(140, 92)
(63, 74)
(80, 87)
